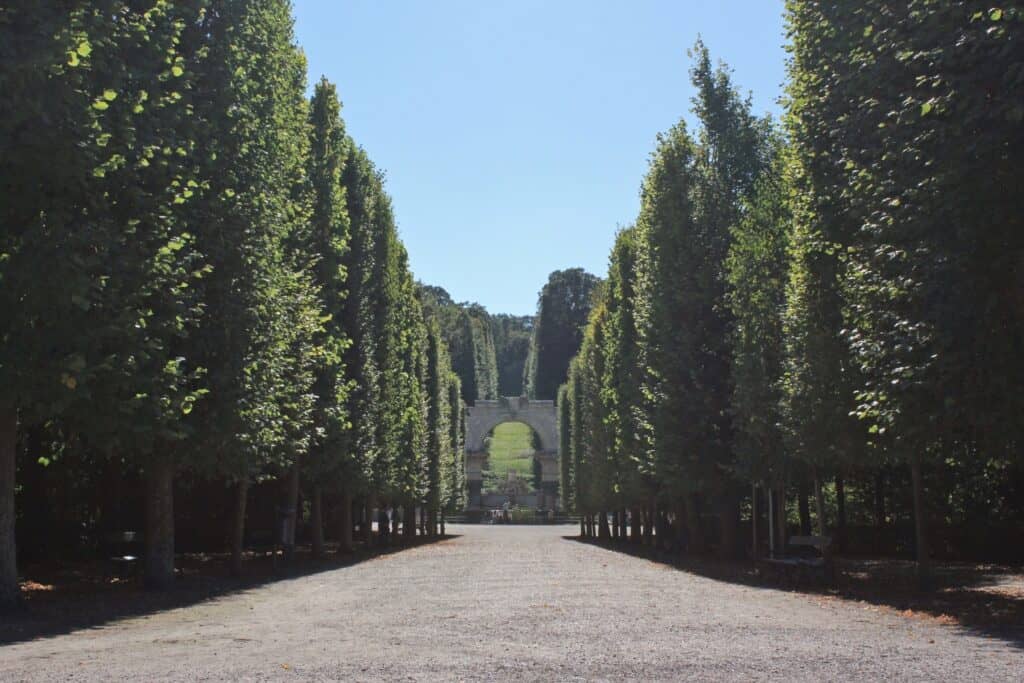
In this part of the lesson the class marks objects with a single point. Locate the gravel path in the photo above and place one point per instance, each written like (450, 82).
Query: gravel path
(502, 603)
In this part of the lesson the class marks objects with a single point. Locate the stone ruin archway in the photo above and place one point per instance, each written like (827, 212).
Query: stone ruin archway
(483, 416)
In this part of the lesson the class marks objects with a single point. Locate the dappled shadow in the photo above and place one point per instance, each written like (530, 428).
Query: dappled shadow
(983, 599)
(84, 597)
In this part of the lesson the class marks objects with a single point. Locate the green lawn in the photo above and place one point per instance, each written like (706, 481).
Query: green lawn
(511, 448)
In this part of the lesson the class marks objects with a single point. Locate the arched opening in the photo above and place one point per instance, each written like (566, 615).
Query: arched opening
(511, 470)
(512, 435)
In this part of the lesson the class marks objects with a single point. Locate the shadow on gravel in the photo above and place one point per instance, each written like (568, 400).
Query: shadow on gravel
(983, 599)
(81, 598)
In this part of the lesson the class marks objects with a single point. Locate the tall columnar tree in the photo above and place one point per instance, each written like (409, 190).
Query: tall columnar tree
(95, 278)
(331, 462)
(923, 168)
(453, 468)
(562, 311)
(565, 472)
(757, 275)
(364, 200)
(620, 390)
(253, 226)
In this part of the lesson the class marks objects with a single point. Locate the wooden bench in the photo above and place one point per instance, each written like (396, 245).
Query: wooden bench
(123, 549)
(806, 557)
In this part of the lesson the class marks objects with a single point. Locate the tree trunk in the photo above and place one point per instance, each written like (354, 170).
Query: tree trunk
(291, 512)
(383, 526)
(694, 531)
(159, 569)
(728, 521)
(442, 523)
(755, 542)
(924, 574)
(780, 516)
(804, 506)
(316, 521)
(368, 505)
(396, 521)
(238, 526)
(345, 544)
(10, 593)
(679, 525)
(602, 530)
(819, 506)
(648, 524)
(635, 534)
(879, 510)
(840, 514)
(409, 524)
(615, 525)
(729, 524)
(583, 526)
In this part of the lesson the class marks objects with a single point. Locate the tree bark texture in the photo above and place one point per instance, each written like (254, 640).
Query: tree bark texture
(316, 521)
(345, 544)
(10, 593)
(159, 560)
(696, 534)
(819, 506)
(924, 570)
(238, 524)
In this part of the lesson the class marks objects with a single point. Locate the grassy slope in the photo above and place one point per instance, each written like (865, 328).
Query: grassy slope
(511, 449)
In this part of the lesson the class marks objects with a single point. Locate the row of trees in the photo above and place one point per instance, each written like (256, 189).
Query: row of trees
(200, 272)
(467, 331)
(837, 299)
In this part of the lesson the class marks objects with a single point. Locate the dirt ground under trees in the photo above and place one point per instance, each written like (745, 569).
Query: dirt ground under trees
(507, 602)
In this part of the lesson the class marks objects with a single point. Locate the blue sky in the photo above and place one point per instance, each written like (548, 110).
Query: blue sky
(515, 135)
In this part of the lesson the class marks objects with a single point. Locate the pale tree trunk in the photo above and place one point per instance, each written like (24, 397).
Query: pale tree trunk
(693, 528)
(924, 569)
(819, 505)
(159, 569)
(648, 524)
(636, 532)
(238, 525)
(10, 593)
(345, 544)
(583, 526)
(291, 511)
(442, 523)
(316, 521)
(395, 525)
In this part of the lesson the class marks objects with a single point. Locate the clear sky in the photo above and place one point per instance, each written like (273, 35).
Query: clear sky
(515, 135)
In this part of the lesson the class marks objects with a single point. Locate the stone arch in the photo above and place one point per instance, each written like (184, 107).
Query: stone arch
(540, 416)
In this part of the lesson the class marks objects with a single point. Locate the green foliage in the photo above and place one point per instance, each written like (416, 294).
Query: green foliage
(562, 310)
(511, 335)
(467, 331)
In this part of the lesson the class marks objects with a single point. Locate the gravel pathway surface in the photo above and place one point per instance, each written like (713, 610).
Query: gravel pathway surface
(514, 603)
